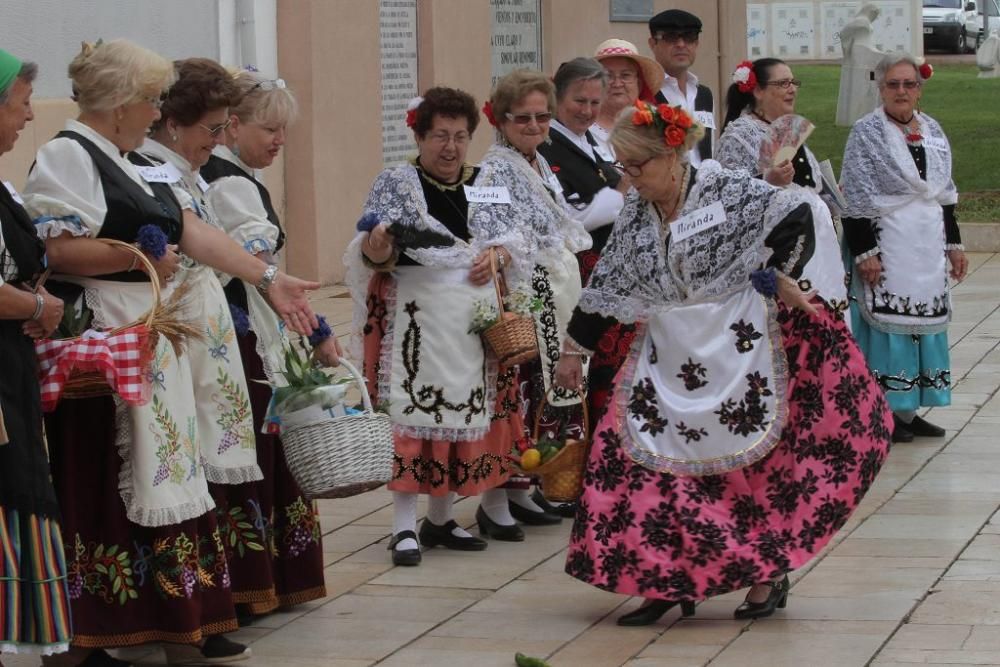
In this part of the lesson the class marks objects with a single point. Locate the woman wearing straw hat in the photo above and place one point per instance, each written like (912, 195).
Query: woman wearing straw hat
(631, 77)
(146, 560)
(33, 585)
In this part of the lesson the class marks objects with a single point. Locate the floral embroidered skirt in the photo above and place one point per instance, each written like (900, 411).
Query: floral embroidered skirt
(657, 535)
(435, 467)
(129, 584)
(271, 533)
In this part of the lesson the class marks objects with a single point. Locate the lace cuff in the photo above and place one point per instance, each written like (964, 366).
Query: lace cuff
(865, 255)
(51, 226)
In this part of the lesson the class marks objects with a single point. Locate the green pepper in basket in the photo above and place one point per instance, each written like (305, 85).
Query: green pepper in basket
(522, 660)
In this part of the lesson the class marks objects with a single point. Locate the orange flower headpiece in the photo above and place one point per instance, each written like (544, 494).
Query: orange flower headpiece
(673, 122)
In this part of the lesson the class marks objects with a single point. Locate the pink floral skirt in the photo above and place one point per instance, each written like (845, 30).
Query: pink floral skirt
(657, 535)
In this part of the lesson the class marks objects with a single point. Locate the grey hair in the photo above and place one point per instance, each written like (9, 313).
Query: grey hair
(28, 72)
(890, 60)
(579, 69)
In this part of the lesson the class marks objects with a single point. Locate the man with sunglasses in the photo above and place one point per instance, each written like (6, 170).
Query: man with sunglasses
(673, 39)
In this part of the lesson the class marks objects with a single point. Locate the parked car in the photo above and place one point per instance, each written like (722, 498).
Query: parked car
(992, 8)
(954, 25)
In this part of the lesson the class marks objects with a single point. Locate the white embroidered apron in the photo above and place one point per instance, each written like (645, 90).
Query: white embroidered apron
(161, 480)
(912, 296)
(558, 287)
(703, 390)
(225, 421)
(825, 269)
(439, 386)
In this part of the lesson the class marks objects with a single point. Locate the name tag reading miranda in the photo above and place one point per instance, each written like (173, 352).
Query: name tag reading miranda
(936, 144)
(487, 194)
(697, 221)
(164, 173)
(706, 118)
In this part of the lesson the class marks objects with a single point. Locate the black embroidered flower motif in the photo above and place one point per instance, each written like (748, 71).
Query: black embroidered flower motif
(749, 414)
(690, 434)
(580, 565)
(617, 561)
(693, 374)
(643, 407)
(746, 334)
(808, 396)
(653, 358)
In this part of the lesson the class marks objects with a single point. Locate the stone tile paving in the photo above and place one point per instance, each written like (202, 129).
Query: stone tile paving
(914, 578)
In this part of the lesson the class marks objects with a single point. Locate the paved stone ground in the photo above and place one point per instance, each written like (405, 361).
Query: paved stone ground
(913, 578)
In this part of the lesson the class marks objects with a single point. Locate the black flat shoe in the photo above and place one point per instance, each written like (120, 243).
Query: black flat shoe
(776, 599)
(432, 535)
(565, 510)
(652, 612)
(901, 430)
(494, 530)
(922, 428)
(532, 518)
(404, 556)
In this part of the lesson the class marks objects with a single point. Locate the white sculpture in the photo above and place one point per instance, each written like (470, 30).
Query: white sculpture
(988, 57)
(858, 92)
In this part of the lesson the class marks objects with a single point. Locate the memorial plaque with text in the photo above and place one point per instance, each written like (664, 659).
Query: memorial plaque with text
(398, 45)
(516, 36)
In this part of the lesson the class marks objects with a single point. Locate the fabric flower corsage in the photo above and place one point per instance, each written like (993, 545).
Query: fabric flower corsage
(744, 77)
(411, 111)
(152, 241)
(241, 320)
(765, 281)
(674, 123)
(320, 333)
(926, 71)
(488, 112)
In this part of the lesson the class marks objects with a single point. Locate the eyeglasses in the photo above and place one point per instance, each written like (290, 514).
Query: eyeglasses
(633, 169)
(689, 37)
(909, 84)
(526, 118)
(214, 131)
(268, 85)
(784, 83)
(443, 138)
(624, 77)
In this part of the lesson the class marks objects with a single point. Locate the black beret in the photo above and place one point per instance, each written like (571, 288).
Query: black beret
(676, 20)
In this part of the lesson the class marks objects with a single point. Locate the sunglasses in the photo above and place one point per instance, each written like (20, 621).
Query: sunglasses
(689, 36)
(526, 118)
(908, 84)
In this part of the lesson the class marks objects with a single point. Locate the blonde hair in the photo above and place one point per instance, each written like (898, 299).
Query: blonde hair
(108, 75)
(260, 103)
(647, 141)
(514, 87)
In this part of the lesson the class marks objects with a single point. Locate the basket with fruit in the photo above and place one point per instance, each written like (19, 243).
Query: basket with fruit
(558, 461)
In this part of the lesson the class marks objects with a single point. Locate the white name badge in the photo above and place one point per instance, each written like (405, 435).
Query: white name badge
(936, 144)
(202, 183)
(13, 192)
(164, 173)
(697, 221)
(487, 194)
(706, 118)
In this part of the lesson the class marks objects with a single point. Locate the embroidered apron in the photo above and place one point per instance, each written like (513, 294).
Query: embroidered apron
(703, 390)
(439, 387)
(825, 269)
(558, 287)
(912, 296)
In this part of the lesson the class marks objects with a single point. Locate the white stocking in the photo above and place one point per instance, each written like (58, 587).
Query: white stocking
(440, 511)
(523, 498)
(404, 517)
(494, 503)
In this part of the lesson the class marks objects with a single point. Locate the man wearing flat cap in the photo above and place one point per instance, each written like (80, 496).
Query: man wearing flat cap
(673, 39)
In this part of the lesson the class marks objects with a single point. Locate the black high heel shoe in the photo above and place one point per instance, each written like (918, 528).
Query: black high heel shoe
(652, 612)
(492, 529)
(777, 598)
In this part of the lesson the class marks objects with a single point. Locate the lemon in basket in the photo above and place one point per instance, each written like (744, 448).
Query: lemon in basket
(531, 458)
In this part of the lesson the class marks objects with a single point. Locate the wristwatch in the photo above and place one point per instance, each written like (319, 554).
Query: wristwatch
(270, 275)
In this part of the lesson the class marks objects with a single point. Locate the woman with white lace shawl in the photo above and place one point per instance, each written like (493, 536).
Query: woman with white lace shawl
(418, 301)
(744, 428)
(753, 102)
(901, 233)
(520, 108)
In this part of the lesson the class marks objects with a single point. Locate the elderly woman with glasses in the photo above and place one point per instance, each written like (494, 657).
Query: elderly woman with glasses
(762, 92)
(745, 426)
(146, 558)
(289, 570)
(901, 236)
(631, 77)
(193, 120)
(521, 108)
(36, 607)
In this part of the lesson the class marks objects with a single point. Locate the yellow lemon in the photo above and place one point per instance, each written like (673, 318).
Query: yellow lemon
(531, 458)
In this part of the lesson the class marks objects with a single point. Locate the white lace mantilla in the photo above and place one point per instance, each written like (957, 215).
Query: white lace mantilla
(638, 276)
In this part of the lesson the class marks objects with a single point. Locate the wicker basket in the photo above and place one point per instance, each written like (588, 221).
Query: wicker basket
(341, 456)
(512, 339)
(562, 475)
(87, 384)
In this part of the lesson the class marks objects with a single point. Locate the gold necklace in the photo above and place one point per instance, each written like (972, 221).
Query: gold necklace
(467, 170)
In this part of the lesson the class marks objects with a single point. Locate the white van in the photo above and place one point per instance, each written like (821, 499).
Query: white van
(952, 24)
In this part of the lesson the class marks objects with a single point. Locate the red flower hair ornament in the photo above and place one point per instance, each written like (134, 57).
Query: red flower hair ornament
(926, 71)
(411, 111)
(674, 123)
(744, 77)
(488, 112)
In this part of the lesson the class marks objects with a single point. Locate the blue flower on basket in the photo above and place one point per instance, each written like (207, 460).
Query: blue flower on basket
(765, 281)
(320, 333)
(368, 222)
(152, 241)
